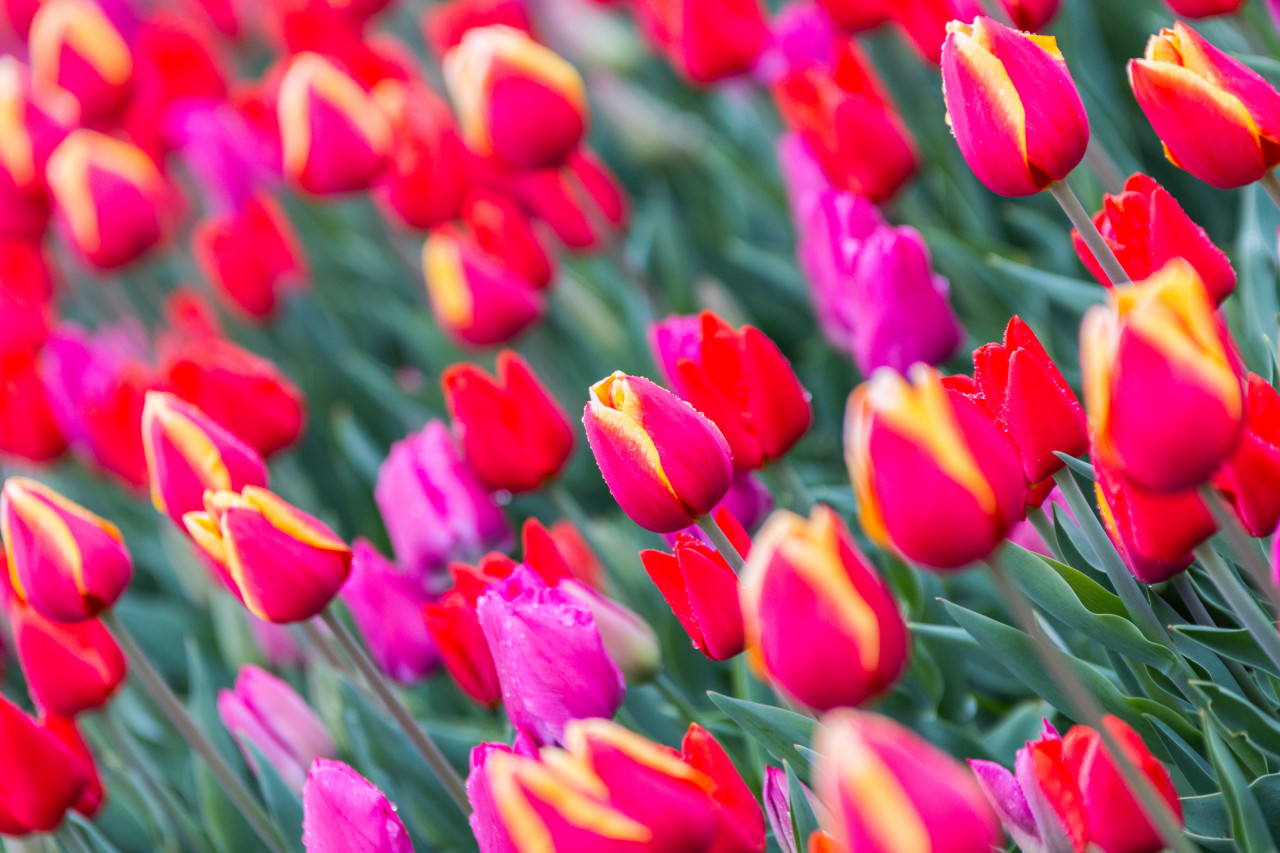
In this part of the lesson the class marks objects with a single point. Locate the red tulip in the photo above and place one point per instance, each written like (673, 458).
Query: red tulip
(27, 426)
(475, 297)
(706, 40)
(583, 202)
(39, 777)
(455, 629)
(70, 667)
(251, 256)
(503, 229)
(924, 22)
(560, 552)
(76, 46)
(94, 796)
(1248, 476)
(1204, 8)
(856, 15)
(445, 24)
(33, 121)
(1030, 15)
(424, 182)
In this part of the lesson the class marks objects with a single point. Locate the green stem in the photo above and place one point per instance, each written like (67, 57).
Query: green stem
(1241, 602)
(421, 741)
(1245, 546)
(1104, 166)
(1272, 186)
(1093, 238)
(1200, 615)
(159, 690)
(722, 544)
(799, 498)
(675, 696)
(1087, 710)
(1044, 526)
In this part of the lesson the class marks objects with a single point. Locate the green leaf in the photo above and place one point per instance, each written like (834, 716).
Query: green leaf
(1207, 817)
(776, 729)
(1071, 292)
(1240, 717)
(1248, 825)
(802, 816)
(1194, 768)
(1234, 643)
(283, 803)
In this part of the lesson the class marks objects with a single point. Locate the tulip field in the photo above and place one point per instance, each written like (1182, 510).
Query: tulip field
(639, 426)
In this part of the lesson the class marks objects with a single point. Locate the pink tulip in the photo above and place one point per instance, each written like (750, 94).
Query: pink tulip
(265, 712)
(386, 604)
(342, 812)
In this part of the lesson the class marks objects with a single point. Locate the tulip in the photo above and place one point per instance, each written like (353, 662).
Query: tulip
(627, 638)
(936, 479)
(26, 294)
(1024, 533)
(742, 823)
(70, 667)
(276, 643)
(743, 508)
(807, 184)
(1030, 15)
(75, 45)
(476, 298)
(801, 35)
(550, 659)
(335, 138)
(503, 229)
(924, 23)
(856, 15)
(513, 431)
(28, 428)
(518, 102)
(1146, 228)
(285, 566)
(560, 552)
(702, 591)
(39, 778)
(230, 148)
(889, 789)
(455, 630)
(1204, 8)
(435, 508)
(665, 463)
(94, 796)
(251, 256)
(111, 196)
(342, 812)
(1161, 381)
(1012, 106)
(188, 453)
(1067, 793)
(265, 713)
(33, 121)
(583, 203)
(386, 605)
(64, 561)
(828, 223)
(445, 24)
(850, 124)
(705, 41)
(245, 393)
(424, 183)
(810, 596)
(1246, 478)
(1154, 533)
(1218, 119)
(739, 379)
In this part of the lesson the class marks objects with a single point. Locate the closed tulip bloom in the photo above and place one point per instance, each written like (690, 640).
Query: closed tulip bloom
(740, 380)
(455, 629)
(39, 778)
(445, 24)
(560, 551)
(515, 434)
(1146, 228)
(583, 203)
(1247, 478)
(76, 46)
(551, 661)
(1012, 106)
(706, 40)
(251, 256)
(627, 638)
(1217, 118)
(936, 479)
(111, 196)
(286, 566)
(64, 561)
(1067, 793)
(1153, 532)
(342, 812)
(266, 713)
(1030, 15)
(1161, 381)
(505, 230)
(28, 428)
(94, 795)
(386, 604)
(33, 121)
(665, 463)
(924, 23)
(335, 138)
(810, 597)
(70, 667)
(476, 298)
(1204, 8)
(426, 178)
(888, 789)
(855, 15)
(517, 101)
(188, 453)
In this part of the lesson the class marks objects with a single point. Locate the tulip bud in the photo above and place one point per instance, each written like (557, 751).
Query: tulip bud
(856, 15)
(70, 667)
(111, 196)
(342, 812)
(464, 651)
(503, 229)
(33, 121)
(551, 662)
(936, 479)
(560, 552)
(335, 138)
(1146, 228)
(1030, 15)
(266, 713)
(1218, 118)
(888, 789)
(435, 508)
(515, 434)
(1012, 106)
(1153, 532)
(64, 561)
(706, 41)
(1246, 479)
(665, 463)
(627, 638)
(285, 566)
(386, 605)
(39, 778)
(1204, 8)
(94, 796)
(28, 428)
(517, 101)
(77, 47)
(251, 256)
(1066, 793)
(851, 125)
(475, 297)
(424, 182)
(924, 22)
(188, 453)
(445, 24)
(1161, 381)
(583, 202)
(809, 596)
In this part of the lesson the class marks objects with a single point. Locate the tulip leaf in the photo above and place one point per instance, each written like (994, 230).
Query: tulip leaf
(802, 816)
(1247, 820)
(1210, 824)
(283, 803)
(776, 729)
(1078, 466)
(94, 839)
(1240, 717)
(1234, 643)
(1071, 292)
(1194, 768)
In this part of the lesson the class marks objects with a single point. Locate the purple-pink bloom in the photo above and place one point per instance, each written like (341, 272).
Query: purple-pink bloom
(342, 812)
(551, 662)
(627, 638)
(802, 35)
(777, 807)
(386, 605)
(1024, 533)
(805, 179)
(265, 712)
(226, 155)
(435, 508)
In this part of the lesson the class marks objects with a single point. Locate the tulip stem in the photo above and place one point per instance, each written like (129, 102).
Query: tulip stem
(155, 685)
(1044, 526)
(1089, 232)
(1245, 546)
(722, 544)
(798, 494)
(421, 741)
(1241, 601)
(1104, 166)
(1087, 710)
(1272, 185)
